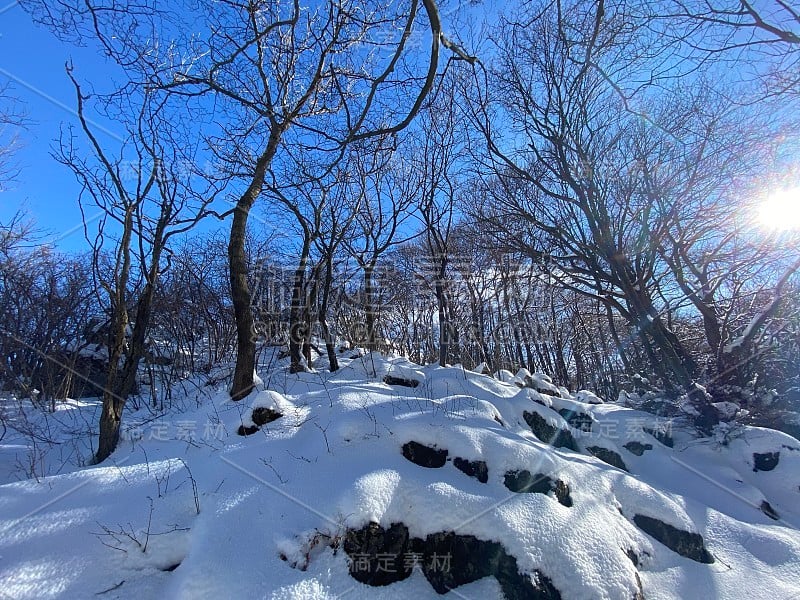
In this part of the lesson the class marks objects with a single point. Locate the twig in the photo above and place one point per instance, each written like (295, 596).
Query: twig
(111, 589)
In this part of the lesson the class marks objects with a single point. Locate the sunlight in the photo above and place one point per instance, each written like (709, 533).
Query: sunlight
(781, 210)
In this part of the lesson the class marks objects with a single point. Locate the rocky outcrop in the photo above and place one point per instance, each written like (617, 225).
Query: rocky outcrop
(525, 483)
(637, 448)
(379, 557)
(260, 416)
(766, 461)
(682, 542)
(607, 456)
(474, 468)
(424, 456)
(549, 434)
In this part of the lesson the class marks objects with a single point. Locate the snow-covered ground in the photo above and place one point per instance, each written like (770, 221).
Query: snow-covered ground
(186, 508)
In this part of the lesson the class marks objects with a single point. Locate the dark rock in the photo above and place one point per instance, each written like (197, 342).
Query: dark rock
(378, 556)
(766, 461)
(708, 416)
(474, 468)
(767, 509)
(561, 490)
(448, 560)
(424, 456)
(250, 430)
(525, 483)
(607, 456)
(662, 436)
(171, 567)
(390, 380)
(546, 390)
(637, 448)
(263, 415)
(540, 402)
(682, 542)
(633, 556)
(549, 434)
(469, 559)
(578, 420)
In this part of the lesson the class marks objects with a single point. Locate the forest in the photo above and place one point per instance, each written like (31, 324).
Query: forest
(585, 189)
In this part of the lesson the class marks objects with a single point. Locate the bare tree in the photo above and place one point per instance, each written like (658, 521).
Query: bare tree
(144, 190)
(437, 174)
(565, 191)
(45, 303)
(387, 192)
(762, 39)
(11, 122)
(323, 74)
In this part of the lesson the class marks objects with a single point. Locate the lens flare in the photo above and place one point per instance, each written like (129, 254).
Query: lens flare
(781, 210)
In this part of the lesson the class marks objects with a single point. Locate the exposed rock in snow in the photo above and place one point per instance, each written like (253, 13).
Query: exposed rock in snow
(424, 456)
(608, 456)
(392, 380)
(638, 448)
(379, 557)
(352, 493)
(684, 543)
(552, 434)
(474, 468)
(523, 482)
(765, 461)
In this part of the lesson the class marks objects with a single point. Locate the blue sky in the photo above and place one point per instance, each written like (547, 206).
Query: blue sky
(32, 61)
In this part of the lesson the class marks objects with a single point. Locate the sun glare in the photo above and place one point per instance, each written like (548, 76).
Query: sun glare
(781, 210)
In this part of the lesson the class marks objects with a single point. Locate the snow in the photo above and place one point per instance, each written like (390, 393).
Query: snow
(270, 503)
(737, 343)
(587, 397)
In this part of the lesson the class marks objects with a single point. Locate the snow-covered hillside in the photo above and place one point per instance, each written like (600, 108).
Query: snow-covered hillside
(461, 483)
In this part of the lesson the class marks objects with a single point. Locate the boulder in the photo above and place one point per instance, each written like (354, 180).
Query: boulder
(380, 557)
(766, 461)
(637, 448)
(474, 468)
(607, 456)
(661, 436)
(682, 542)
(525, 483)
(577, 420)
(424, 456)
(391, 380)
(549, 434)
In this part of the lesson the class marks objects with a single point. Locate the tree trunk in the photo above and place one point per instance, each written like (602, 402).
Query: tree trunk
(110, 421)
(297, 324)
(369, 309)
(111, 415)
(444, 321)
(240, 290)
(330, 349)
(240, 294)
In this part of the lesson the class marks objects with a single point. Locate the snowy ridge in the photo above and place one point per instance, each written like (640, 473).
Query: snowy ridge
(275, 506)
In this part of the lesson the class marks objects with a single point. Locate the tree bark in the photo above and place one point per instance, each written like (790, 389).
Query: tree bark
(240, 290)
(297, 323)
(330, 349)
(369, 308)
